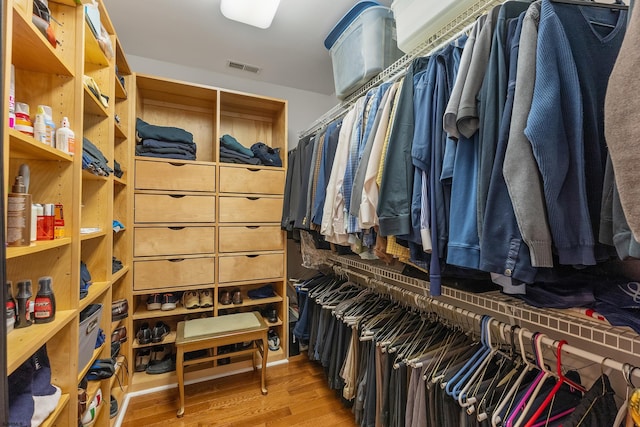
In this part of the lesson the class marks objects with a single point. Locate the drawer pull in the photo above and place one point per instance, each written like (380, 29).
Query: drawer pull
(175, 228)
(252, 256)
(176, 260)
(253, 198)
(176, 196)
(252, 227)
(177, 164)
(253, 170)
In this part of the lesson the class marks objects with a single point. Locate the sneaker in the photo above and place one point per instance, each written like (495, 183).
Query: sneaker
(206, 298)
(89, 417)
(154, 302)
(160, 331)
(144, 334)
(169, 301)
(191, 300)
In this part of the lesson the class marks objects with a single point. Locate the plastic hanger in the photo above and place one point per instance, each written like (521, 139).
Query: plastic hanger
(562, 379)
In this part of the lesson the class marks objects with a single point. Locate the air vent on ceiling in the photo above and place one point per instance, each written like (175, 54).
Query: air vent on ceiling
(244, 67)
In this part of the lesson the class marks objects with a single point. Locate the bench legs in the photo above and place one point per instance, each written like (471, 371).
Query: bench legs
(180, 373)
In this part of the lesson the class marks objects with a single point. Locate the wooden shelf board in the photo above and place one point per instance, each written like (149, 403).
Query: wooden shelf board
(92, 385)
(278, 323)
(174, 289)
(250, 302)
(22, 343)
(169, 339)
(53, 417)
(35, 247)
(95, 234)
(86, 175)
(248, 282)
(31, 51)
(95, 291)
(92, 52)
(121, 92)
(143, 313)
(118, 274)
(121, 60)
(92, 105)
(23, 146)
(119, 181)
(120, 133)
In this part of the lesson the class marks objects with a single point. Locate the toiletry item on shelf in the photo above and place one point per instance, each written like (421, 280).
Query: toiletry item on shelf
(10, 307)
(49, 221)
(37, 220)
(23, 120)
(24, 293)
(19, 210)
(40, 128)
(50, 126)
(12, 98)
(45, 304)
(58, 222)
(65, 138)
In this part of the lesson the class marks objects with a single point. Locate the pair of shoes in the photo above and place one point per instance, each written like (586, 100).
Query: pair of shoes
(160, 331)
(113, 409)
(270, 313)
(115, 350)
(165, 301)
(225, 297)
(162, 360)
(265, 291)
(89, 416)
(236, 297)
(119, 309)
(143, 336)
(119, 334)
(143, 357)
(101, 369)
(202, 298)
(273, 339)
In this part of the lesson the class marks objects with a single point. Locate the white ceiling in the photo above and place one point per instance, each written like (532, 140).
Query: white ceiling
(194, 33)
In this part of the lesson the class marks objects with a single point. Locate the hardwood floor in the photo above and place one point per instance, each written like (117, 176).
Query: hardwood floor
(298, 396)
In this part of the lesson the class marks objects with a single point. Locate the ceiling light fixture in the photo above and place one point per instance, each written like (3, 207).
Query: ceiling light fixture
(258, 13)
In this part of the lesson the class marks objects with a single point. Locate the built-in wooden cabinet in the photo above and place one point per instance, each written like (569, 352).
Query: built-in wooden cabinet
(205, 224)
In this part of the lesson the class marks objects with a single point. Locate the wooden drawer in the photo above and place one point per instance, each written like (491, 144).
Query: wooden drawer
(176, 176)
(173, 273)
(174, 208)
(250, 209)
(250, 267)
(251, 180)
(250, 238)
(159, 241)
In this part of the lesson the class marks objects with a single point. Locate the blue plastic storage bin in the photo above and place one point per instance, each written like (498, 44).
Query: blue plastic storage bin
(361, 45)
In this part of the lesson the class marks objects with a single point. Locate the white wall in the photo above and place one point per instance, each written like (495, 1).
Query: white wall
(304, 106)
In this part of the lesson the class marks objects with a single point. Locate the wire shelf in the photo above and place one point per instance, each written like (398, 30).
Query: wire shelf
(566, 323)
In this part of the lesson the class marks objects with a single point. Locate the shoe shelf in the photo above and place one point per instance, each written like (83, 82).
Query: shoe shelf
(142, 312)
(53, 417)
(247, 282)
(120, 91)
(274, 324)
(169, 339)
(95, 356)
(246, 302)
(96, 290)
(43, 245)
(119, 181)
(47, 60)
(23, 146)
(119, 131)
(86, 175)
(92, 105)
(119, 274)
(22, 343)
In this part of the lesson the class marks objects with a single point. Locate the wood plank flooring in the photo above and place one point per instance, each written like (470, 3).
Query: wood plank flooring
(298, 396)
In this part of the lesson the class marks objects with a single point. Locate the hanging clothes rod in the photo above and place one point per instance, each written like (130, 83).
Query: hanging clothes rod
(454, 313)
(454, 29)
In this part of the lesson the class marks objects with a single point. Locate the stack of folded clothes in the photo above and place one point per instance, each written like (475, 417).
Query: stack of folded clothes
(164, 141)
(93, 160)
(231, 151)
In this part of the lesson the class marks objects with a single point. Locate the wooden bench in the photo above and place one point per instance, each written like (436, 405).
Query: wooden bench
(207, 333)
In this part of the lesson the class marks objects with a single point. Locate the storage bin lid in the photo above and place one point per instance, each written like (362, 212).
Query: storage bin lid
(346, 20)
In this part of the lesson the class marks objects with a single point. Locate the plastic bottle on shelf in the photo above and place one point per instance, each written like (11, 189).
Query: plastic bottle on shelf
(23, 120)
(65, 138)
(50, 125)
(24, 293)
(45, 304)
(19, 211)
(40, 128)
(12, 98)
(10, 308)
